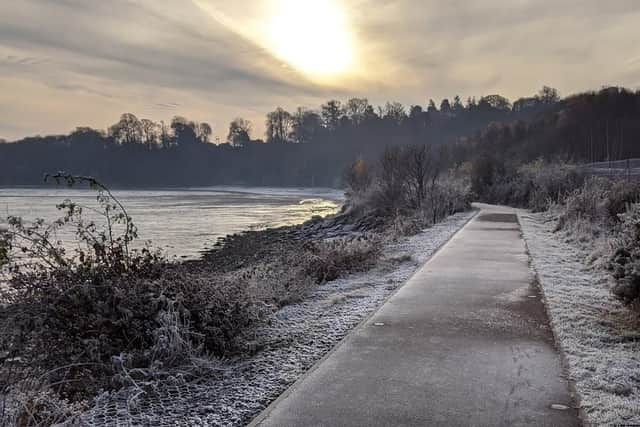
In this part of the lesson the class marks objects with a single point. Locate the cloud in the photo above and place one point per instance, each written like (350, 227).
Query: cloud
(74, 62)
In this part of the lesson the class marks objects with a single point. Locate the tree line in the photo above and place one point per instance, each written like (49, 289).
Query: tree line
(313, 147)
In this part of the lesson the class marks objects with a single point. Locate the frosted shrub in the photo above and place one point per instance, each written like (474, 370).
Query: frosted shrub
(406, 190)
(596, 205)
(625, 262)
(535, 185)
(40, 407)
(327, 260)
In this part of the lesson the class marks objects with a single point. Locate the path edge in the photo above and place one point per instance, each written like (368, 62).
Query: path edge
(582, 415)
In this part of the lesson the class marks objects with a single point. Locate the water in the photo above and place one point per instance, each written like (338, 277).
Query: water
(184, 222)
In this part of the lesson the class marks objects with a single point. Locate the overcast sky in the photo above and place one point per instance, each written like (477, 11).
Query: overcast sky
(67, 63)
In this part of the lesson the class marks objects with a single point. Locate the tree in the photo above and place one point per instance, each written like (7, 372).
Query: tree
(184, 131)
(523, 104)
(548, 95)
(279, 125)
(331, 113)
(417, 118)
(204, 132)
(391, 180)
(306, 125)
(150, 132)
(432, 107)
(128, 130)
(394, 112)
(239, 132)
(356, 110)
(457, 106)
(495, 101)
(445, 106)
(166, 139)
(420, 166)
(415, 112)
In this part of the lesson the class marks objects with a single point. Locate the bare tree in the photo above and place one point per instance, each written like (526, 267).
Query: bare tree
(279, 124)
(420, 167)
(391, 180)
(239, 132)
(128, 130)
(356, 110)
(394, 112)
(150, 132)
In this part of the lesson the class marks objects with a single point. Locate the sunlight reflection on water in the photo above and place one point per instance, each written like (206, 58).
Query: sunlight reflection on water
(184, 222)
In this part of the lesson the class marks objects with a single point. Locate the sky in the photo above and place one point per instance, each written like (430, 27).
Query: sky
(68, 63)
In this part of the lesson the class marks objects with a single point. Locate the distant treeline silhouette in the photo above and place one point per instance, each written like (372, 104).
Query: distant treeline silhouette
(314, 147)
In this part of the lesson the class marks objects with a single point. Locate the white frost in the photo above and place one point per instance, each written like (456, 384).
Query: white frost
(597, 334)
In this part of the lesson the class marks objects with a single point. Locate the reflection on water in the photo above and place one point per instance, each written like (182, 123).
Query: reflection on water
(185, 221)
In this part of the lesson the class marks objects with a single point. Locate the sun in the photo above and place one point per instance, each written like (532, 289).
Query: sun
(312, 36)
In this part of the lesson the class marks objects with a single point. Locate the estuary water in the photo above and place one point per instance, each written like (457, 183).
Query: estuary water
(183, 222)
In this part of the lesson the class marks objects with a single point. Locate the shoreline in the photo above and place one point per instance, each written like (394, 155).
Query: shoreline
(330, 192)
(181, 230)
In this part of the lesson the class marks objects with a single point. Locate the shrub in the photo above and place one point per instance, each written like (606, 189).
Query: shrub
(408, 190)
(625, 262)
(357, 178)
(536, 185)
(551, 183)
(330, 259)
(598, 203)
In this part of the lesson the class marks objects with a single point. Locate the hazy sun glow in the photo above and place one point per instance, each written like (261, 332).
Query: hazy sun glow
(312, 36)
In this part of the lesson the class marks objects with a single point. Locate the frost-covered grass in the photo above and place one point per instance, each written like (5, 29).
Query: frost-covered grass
(232, 392)
(599, 337)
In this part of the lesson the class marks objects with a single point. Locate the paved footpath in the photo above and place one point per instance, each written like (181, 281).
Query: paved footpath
(465, 342)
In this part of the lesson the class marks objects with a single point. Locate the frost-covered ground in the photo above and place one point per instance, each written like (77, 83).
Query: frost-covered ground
(600, 338)
(233, 392)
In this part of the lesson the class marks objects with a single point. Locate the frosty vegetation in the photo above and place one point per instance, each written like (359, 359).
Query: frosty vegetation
(111, 317)
(597, 333)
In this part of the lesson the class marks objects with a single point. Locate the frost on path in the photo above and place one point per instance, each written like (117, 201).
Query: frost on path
(599, 337)
(232, 392)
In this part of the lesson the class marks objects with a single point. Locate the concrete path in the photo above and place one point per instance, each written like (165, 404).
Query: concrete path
(466, 342)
